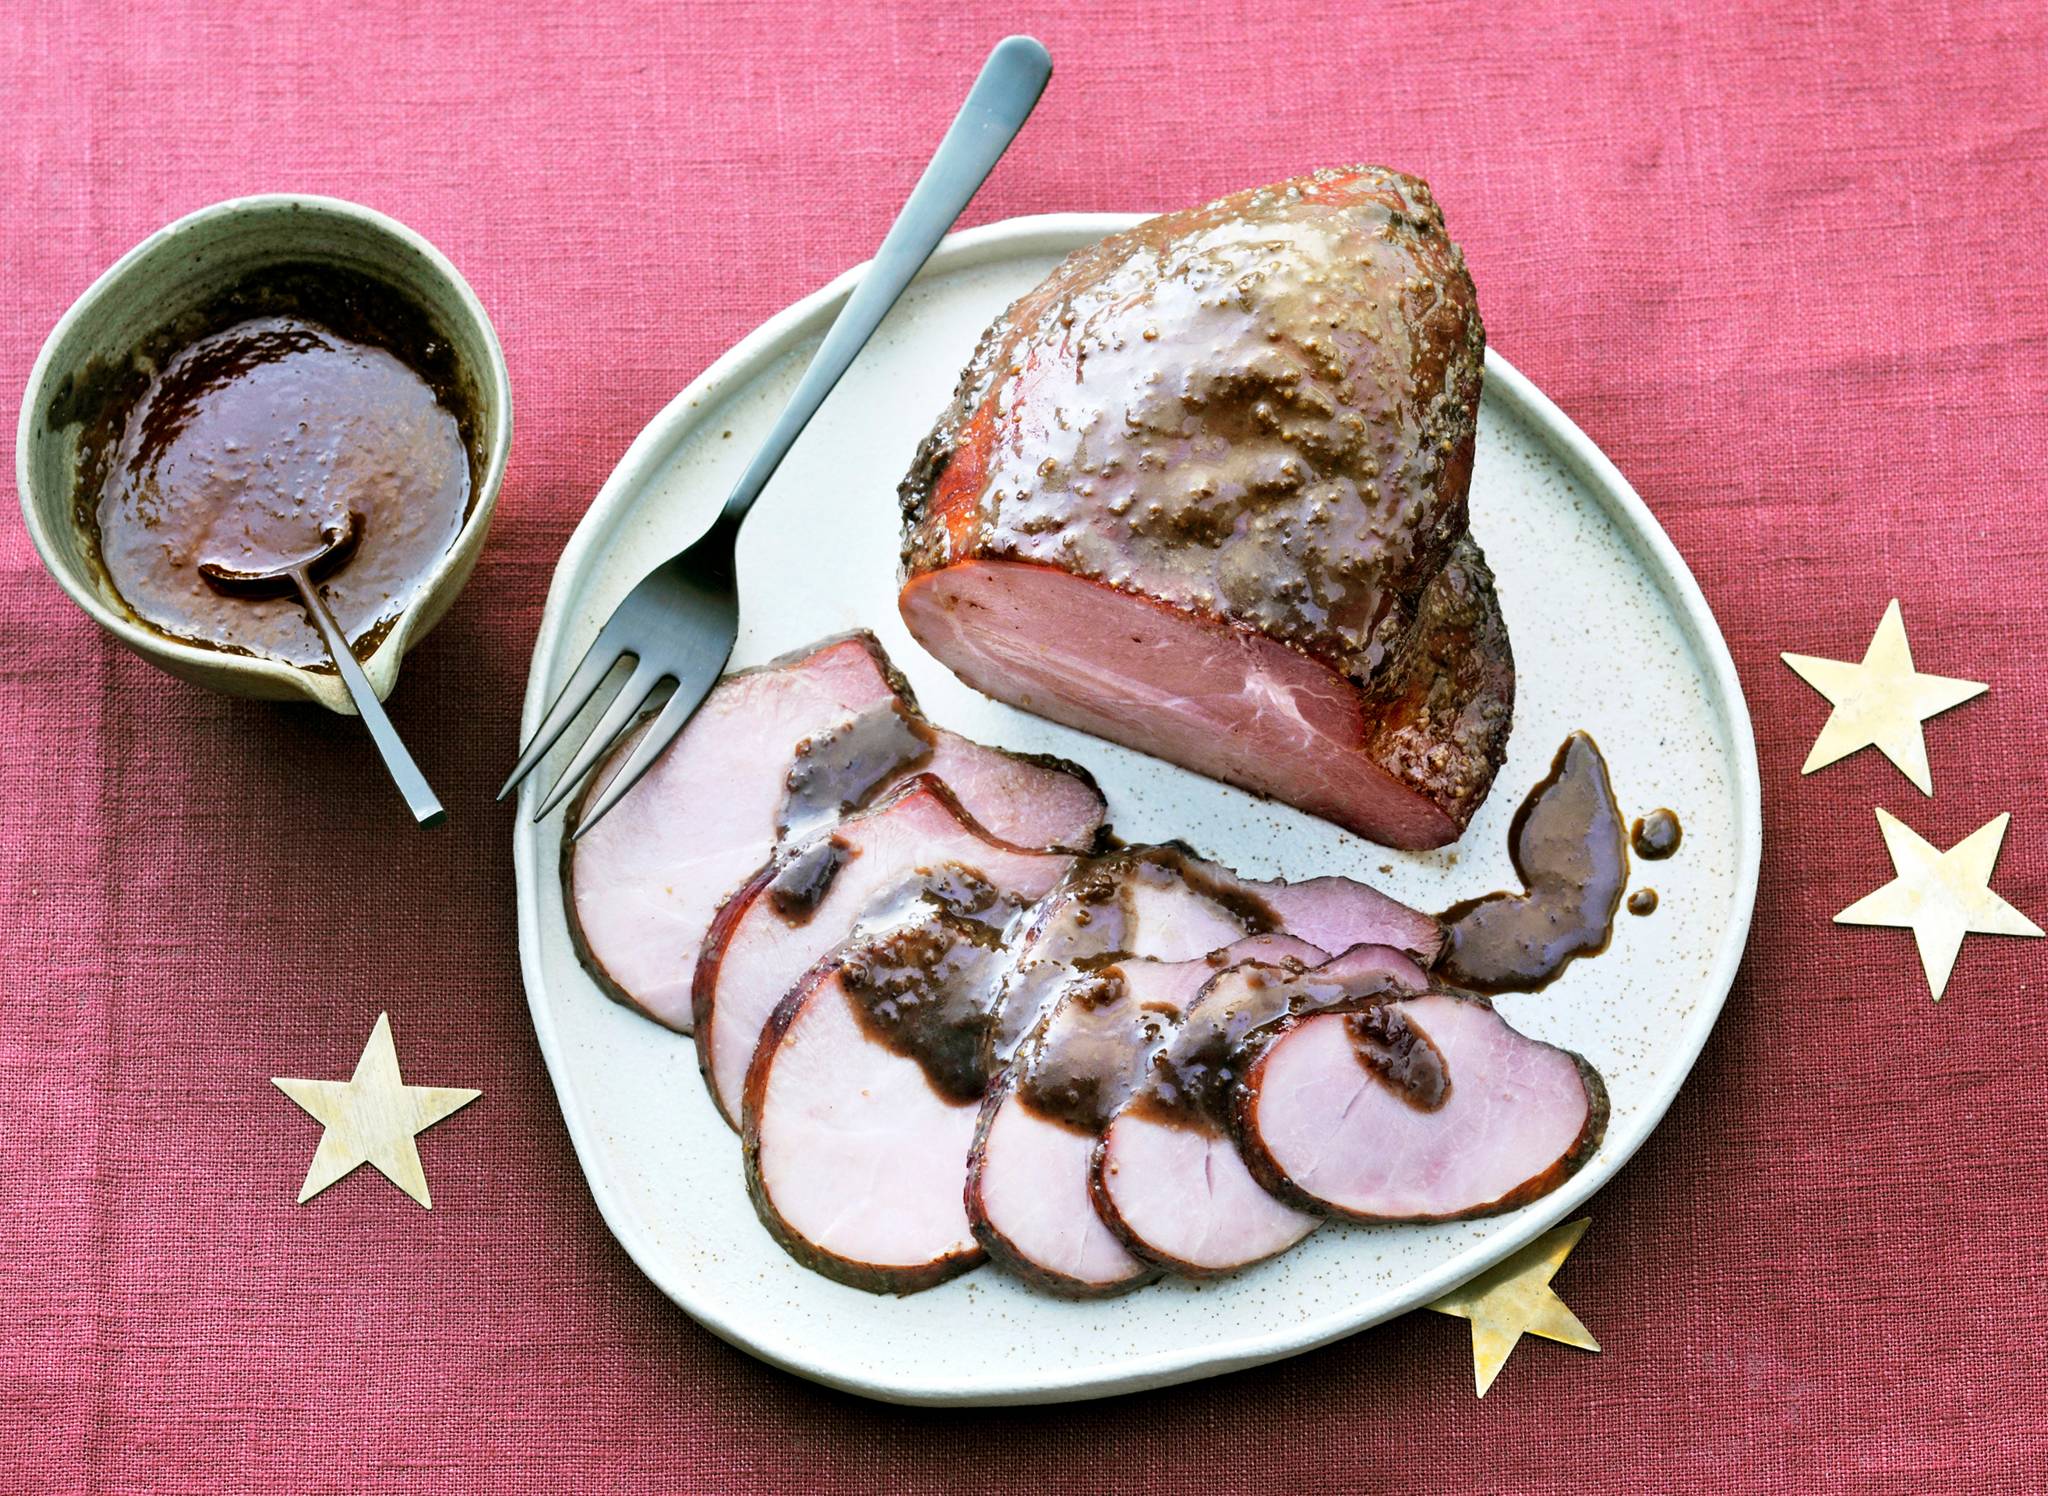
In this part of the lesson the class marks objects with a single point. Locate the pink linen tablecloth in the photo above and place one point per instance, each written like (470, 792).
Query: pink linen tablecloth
(1784, 263)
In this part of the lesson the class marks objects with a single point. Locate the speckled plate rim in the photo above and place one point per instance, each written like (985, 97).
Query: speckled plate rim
(1058, 233)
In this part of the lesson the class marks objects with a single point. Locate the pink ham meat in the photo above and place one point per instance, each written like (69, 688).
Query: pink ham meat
(1027, 1175)
(852, 1154)
(1328, 1133)
(643, 885)
(800, 907)
(861, 1097)
(1203, 492)
(1168, 1179)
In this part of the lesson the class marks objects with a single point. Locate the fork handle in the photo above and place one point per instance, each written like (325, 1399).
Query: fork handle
(1000, 101)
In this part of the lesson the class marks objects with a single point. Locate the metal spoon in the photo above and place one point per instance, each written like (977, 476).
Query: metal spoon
(336, 546)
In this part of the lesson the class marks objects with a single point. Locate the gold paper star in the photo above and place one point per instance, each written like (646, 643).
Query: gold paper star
(371, 1118)
(1882, 701)
(1940, 896)
(1514, 1298)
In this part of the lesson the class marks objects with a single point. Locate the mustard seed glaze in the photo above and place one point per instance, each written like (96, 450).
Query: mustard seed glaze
(1293, 369)
(1569, 850)
(921, 973)
(1089, 1061)
(1401, 1055)
(1196, 1070)
(1088, 925)
(247, 430)
(801, 883)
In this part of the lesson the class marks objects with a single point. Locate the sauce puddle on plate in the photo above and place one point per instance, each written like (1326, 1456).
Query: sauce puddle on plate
(1571, 854)
(1569, 850)
(1656, 835)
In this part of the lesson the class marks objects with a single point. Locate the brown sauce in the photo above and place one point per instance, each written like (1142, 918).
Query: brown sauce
(1643, 901)
(800, 884)
(921, 973)
(1090, 923)
(1195, 1071)
(1092, 1053)
(1656, 835)
(1193, 1074)
(835, 771)
(1570, 852)
(246, 431)
(1401, 1055)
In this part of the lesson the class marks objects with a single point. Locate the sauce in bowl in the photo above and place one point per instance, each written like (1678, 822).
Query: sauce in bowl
(245, 431)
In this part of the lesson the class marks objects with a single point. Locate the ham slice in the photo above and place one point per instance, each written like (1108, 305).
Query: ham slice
(1330, 1133)
(1164, 915)
(1168, 1179)
(834, 722)
(861, 1098)
(1027, 1176)
(1203, 492)
(800, 907)
(852, 1155)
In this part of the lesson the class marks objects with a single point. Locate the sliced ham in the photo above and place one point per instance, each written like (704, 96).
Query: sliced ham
(1168, 1179)
(1336, 1116)
(1181, 1195)
(1163, 903)
(1027, 1186)
(1339, 913)
(775, 753)
(862, 1094)
(1025, 799)
(1203, 492)
(852, 1154)
(800, 907)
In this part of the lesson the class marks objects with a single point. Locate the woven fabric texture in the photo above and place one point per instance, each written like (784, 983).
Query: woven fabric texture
(1783, 263)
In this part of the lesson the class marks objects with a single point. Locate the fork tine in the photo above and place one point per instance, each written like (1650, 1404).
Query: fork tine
(596, 665)
(632, 696)
(692, 687)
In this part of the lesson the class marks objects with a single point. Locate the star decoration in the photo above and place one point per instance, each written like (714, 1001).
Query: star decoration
(1882, 701)
(1940, 896)
(1514, 1298)
(371, 1118)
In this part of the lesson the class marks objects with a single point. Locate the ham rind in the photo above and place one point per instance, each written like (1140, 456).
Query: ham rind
(760, 946)
(1027, 1176)
(1168, 1179)
(1324, 1132)
(1202, 492)
(852, 1155)
(641, 888)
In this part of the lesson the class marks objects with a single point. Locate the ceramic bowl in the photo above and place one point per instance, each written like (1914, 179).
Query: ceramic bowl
(178, 269)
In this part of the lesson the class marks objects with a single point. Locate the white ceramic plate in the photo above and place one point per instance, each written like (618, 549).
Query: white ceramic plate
(1610, 634)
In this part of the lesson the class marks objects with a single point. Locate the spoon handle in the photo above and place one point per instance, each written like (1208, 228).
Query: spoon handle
(412, 784)
(1001, 100)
